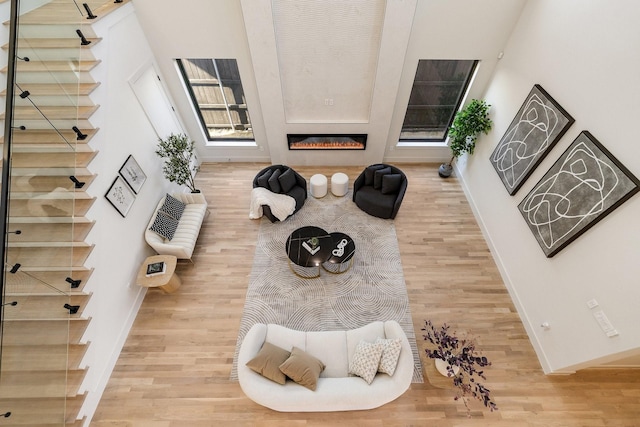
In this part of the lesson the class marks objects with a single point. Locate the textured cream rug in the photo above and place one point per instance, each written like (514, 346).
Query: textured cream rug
(372, 289)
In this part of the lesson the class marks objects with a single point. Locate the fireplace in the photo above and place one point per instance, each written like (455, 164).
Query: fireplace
(327, 141)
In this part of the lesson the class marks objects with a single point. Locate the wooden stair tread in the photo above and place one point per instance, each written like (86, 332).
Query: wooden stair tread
(53, 195)
(44, 136)
(51, 149)
(64, 13)
(45, 412)
(50, 244)
(53, 113)
(28, 357)
(41, 383)
(54, 66)
(78, 172)
(50, 220)
(46, 89)
(53, 43)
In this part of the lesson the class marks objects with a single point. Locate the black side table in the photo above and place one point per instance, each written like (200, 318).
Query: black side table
(308, 247)
(342, 250)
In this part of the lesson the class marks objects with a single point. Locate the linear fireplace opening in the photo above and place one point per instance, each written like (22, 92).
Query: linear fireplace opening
(327, 141)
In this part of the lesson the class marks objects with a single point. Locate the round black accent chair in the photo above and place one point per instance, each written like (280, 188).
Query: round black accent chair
(379, 190)
(281, 179)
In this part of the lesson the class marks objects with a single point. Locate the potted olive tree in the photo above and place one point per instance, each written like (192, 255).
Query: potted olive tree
(468, 123)
(178, 154)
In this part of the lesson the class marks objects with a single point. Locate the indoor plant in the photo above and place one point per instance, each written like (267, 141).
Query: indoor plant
(463, 133)
(178, 154)
(463, 363)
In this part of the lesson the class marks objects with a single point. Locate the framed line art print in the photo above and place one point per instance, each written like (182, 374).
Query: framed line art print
(581, 188)
(536, 128)
(133, 174)
(120, 196)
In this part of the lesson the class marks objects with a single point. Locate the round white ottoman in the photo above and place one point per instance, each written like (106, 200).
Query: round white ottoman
(339, 184)
(318, 185)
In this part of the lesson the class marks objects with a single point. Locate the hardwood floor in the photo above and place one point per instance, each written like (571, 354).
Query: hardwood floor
(174, 369)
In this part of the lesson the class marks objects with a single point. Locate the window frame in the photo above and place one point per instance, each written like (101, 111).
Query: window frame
(196, 107)
(417, 141)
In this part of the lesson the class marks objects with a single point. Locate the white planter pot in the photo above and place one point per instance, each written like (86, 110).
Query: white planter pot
(441, 366)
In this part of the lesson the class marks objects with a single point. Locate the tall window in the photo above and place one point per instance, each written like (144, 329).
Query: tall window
(437, 92)
(217, 95)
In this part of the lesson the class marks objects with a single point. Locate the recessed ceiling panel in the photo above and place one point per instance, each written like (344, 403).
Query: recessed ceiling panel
(327, 55)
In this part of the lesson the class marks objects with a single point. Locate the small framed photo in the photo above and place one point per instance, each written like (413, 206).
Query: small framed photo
(120, 196)
(132, 173)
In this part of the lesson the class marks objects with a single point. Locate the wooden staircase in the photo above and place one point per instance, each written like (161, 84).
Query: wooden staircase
(41, 367)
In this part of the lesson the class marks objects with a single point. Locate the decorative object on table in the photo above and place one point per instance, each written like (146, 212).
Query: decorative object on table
(179, 160)
(536, 128)
(156, 268)
(120, 196)
(132, 173)
(379, 190)
(460, 353)
(583, 186)
(467, 124)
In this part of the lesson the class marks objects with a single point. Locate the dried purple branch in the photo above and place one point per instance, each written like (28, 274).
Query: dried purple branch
(460, 352)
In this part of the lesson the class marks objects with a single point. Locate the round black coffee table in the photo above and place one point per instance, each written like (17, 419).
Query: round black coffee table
(342, 250)
(308, 247)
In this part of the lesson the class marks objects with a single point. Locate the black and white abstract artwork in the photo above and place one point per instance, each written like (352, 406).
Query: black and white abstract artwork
(535, 129)
(582, 187)
(120, 196)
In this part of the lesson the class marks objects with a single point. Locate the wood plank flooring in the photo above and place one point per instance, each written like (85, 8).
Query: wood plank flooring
(174, 369)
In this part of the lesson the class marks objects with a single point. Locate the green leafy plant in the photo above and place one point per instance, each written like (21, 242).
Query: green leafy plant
(464, 363)
(178, 154)
(468, 123)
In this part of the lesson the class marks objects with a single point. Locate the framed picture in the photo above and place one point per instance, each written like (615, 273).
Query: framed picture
(536, 128)
(133, 174)
(583, 186)
(120, 196)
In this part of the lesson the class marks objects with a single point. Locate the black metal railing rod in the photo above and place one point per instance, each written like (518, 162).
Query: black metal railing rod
(6, 152)
(26, 96)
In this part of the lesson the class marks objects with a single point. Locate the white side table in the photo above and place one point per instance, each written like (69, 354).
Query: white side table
(318, 186)
(339, 184)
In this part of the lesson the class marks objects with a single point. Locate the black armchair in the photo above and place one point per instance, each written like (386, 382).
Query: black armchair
(379, 190)
(281, 179)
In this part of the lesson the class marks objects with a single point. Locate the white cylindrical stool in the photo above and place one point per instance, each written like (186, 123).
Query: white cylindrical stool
(339, 184)
(318, 185)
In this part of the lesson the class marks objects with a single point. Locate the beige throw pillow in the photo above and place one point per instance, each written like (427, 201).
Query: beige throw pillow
(267, 362)
(302, 368)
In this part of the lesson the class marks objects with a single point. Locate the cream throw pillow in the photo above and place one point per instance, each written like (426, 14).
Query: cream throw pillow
(366, 360)
(390, 354)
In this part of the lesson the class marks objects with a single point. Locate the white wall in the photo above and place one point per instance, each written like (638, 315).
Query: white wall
(119, 244)
(450, 29)
(197, 29)
(586, 55)
(244, 29)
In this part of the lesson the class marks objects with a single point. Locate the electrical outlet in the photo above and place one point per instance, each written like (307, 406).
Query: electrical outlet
(592, 303)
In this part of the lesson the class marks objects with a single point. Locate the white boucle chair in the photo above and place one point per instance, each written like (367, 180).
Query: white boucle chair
(336, 390)
(184, 240)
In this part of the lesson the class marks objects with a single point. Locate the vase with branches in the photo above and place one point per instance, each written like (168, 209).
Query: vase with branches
(177, 151)
(467, 124)
(464, 363)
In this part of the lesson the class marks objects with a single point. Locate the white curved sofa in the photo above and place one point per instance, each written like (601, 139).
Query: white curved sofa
(336, 390)
(184, 240)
